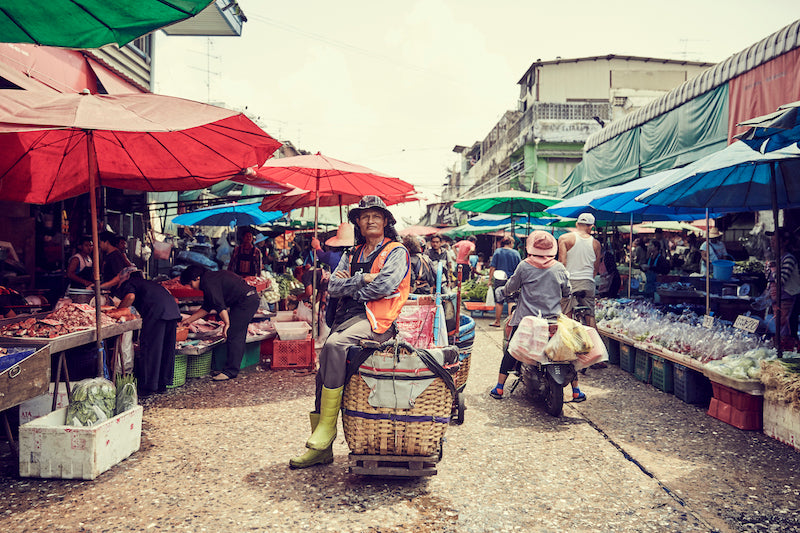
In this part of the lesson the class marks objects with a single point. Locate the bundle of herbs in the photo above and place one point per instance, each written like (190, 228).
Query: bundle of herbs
(781, 379)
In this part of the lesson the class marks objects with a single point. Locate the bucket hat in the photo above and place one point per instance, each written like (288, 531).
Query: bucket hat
(371, 202)
(542, 248)
(345, 236)
(714, 233)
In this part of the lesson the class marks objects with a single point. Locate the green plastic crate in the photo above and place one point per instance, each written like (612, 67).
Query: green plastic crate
(612, 347)
(662, 373)
(198, 366)
(179, 372)
(642, 366)
(252, 355)
(627, 357)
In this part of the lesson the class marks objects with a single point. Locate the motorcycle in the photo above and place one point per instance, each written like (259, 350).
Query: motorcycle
(544, 382)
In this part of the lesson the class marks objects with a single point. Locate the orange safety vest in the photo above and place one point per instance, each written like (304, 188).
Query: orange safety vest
(382, 312)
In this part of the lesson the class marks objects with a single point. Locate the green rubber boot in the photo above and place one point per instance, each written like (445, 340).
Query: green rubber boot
(312, 457)
(330, 403)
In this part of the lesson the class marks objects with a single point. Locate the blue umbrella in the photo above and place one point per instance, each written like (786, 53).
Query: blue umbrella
(248, 214)
(773, 131)
(618, 204)
(736, 178)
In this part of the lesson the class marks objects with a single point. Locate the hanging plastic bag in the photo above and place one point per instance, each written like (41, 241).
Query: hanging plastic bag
(529, 341)
(490, 295)
(597, 354)
(303, 312)
(573, 334)
(124, 353)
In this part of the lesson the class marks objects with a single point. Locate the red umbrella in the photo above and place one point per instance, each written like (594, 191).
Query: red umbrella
(56, 146)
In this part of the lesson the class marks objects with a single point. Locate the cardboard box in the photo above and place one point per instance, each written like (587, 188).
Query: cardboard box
(49, 449)
(42, 405)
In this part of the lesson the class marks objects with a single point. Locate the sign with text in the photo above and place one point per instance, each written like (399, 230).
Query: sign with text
(746, 323)
(708, 321)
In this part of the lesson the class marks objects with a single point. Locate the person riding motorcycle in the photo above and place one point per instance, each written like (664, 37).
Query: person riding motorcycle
(541, 282)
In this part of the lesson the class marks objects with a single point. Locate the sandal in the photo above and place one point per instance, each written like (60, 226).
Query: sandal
(496, 325)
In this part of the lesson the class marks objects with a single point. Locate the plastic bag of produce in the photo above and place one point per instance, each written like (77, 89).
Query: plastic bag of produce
(127, 397)
(93, 401)
(573, 334)
(597, 354)
(529, 341)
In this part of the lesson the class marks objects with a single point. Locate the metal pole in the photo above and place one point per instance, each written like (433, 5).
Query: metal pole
(773, 191)
(630, 256)
(314, 265)
(708, 269)
(92, 168)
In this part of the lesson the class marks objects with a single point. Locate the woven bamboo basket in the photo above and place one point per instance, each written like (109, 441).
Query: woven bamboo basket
(179, 372)
(198, 366)
(387, 431)
(463, 370)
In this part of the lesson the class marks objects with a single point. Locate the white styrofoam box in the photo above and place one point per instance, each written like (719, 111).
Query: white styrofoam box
(49, 449)
(43, 404)
(283, 316)
(292, 331)
(782, 422)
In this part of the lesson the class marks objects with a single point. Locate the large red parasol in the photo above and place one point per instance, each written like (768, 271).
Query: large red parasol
(56, 146)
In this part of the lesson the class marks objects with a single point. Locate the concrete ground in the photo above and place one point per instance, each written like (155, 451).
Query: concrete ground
(214, 457)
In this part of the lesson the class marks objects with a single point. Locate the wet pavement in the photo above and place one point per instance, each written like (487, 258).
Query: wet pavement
(214, 457)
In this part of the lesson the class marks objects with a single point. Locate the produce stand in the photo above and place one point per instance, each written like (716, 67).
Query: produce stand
(58, 345)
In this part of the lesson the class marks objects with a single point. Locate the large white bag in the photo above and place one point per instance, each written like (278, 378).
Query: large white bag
(527, 344)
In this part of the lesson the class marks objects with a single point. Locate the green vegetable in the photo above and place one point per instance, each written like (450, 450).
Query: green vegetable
(93, 401)
(127, 398)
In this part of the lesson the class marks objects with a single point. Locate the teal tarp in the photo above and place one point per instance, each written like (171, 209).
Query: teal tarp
(673, 139)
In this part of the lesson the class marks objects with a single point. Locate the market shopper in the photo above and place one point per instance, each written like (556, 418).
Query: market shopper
(113, 260)
(714, 252)
(541, 282)
(504, 259)
(611, 280)
(656, 264)
(235, 302)
(789, 272)
(160, 315)
(246, 259)
(423, 278)
(79, 268)
(371, 283)
(580, 253)
(464, 248)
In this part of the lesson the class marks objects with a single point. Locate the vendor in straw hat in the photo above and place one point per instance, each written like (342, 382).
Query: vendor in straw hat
(717, 250)
(372, 283)
(160, 316)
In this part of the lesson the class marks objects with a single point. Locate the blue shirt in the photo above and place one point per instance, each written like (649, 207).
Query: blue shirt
(506, 259)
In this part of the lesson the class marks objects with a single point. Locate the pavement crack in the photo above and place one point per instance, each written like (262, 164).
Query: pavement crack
(645, 471)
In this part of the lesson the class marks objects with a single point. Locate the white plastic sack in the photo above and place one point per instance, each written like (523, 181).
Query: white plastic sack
(528, 343)
(124, 354)
(490, 294)
(303, 312)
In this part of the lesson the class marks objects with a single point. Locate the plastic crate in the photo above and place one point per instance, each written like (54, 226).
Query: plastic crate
(293, 355)
(642, 366)
(252, 355)
(689, 385)
(179, 372)
(661, 373)
(746, 420)
(612, 347)
(267, 346)
(198, 366)
(627, 357)
(737, 399)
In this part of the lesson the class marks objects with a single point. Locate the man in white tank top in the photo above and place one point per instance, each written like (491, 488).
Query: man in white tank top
(580, 253)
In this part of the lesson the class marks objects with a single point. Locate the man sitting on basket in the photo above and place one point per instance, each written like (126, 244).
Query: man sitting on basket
(372, 283)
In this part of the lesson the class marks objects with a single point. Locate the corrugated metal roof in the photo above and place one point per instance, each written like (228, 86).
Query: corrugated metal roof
(780, 42)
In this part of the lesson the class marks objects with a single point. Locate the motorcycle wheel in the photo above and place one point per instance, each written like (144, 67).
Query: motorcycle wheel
(554, 397)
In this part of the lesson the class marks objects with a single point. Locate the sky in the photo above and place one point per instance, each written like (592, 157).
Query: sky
(395, 86)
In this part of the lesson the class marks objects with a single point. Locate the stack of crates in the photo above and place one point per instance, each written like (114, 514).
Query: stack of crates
(612, 347)
(662, 374)
(627, 357)
(642, 368)
(690, 386)
(739, 409)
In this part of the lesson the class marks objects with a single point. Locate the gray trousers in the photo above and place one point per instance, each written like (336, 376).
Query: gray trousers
(333, 358)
